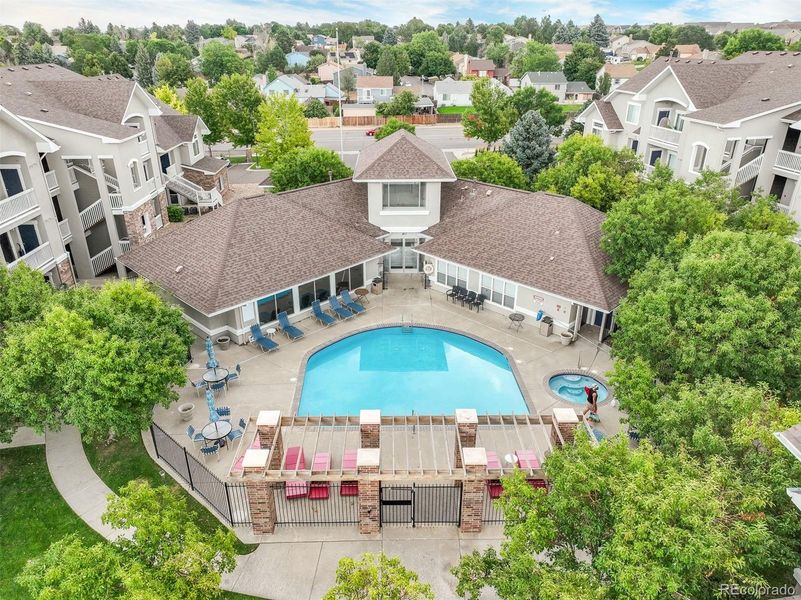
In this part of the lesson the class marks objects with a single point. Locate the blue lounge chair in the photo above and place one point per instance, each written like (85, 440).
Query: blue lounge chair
(292, 332)
(233, 375)
(194, 436)
(323, 318)
(348, 301)
(337, 308)
(211, 451)
(237, 433)
(265, 343)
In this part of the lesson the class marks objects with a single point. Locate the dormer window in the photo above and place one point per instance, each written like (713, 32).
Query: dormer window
(404, 195)
(195, 146)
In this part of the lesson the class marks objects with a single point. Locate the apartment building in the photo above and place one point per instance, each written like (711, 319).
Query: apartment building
(741, 117)
(88, 167)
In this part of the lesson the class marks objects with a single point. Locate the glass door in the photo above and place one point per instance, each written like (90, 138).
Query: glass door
(404, 259)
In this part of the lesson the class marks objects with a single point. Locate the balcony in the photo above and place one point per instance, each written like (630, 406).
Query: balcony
(748, 171)
(66, 233)
(665, 135)
(40, 258)
(52, 181)
(125, 246)
(19, 206)
(789, 161)
(172, 171)
(102, 261)
(116, 200)
(92, 214)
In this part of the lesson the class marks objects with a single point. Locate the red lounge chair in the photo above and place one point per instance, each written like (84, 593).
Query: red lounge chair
(493, 485)
(319, 489)
(527, 459)
(238, 465)
(538, 483)
(294, 460)
(349, 488)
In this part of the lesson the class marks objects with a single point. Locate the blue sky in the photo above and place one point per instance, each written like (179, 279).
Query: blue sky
(60, 13)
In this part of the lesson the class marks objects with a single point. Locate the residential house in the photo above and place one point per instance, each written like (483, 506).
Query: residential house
(417, 85)
(360, 41)
(578, 92)
(402, 211)
(355, 70)
(326, 71)
(297, 86)
(553, 81)
(297, 59)
(460, 61)
(619, 74)
(373, 89)
(638, 50)
(618, 41)
(319, 40)
(562, 50)
(480, 67)
(88, 168)
(741, 117)
(687, 51)
(450, 92)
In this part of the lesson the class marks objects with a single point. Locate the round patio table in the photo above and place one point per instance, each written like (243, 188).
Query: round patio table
(361, 294)
(216, 431)
(516, 319)
(215, 375)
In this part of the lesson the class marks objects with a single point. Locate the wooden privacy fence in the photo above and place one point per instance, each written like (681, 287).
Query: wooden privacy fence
(377, 121)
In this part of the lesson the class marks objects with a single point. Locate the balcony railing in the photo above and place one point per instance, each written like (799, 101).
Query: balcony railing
(663, 134)
(125, 246)
(66, 233)
(52, 180)
(749, 170)
(112, 182)
(36, 258)
(789, 161)
(73, 176)
(17, 206)
(116, 200)
(150, 185)
(92, 214)
(102, 261)
(172, 171)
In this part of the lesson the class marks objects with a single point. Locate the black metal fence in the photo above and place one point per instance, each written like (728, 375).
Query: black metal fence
(229, 500)
(427, 504)
(322, 505)
(491, 512)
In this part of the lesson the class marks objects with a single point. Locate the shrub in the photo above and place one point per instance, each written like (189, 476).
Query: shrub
(175, 214)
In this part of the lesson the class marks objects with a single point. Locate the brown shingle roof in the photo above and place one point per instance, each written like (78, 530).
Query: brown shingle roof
(172, 130)
(208, 164)
(541, 240)
(374, 81)
(402, 156)
(620, 71)
(246, 250)
(481, 64)
(608, 114)
(752, 83)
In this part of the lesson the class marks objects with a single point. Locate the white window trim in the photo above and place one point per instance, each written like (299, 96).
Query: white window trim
(18, 168)
(639, 112)
(691, 167)
(139, 175)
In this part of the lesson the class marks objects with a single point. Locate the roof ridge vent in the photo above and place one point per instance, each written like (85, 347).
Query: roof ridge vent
(768, 53)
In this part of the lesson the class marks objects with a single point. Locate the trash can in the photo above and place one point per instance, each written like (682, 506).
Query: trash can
(546, 326)
(223, 342)
(377, 286)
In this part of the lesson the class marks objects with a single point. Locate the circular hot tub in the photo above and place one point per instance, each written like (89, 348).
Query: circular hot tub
(568, 386)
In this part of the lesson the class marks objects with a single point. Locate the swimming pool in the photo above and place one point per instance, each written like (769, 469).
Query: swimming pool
(399, 371)
(570, 387)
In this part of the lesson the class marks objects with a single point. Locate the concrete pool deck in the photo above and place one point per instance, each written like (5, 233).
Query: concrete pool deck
(269, 381)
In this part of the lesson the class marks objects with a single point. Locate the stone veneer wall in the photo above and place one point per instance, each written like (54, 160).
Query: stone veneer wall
(207, 182)
(65, 275)
(133, 219)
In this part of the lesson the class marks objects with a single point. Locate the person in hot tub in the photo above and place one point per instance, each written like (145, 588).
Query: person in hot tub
(592, 403)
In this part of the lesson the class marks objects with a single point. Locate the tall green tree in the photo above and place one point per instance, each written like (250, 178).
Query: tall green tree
(199, 102)
(498, 53)
(583, 63)
(544, 102)
(371, 53)
(394, 61)
(217, 59)
(529, 144)
(597, 32)
(752, 39)
(169, 96)
(307, 166)
(491, 167)
(729, 307)
(191, 32)
(315, 109)
(400, 104)
(491, 115)
(376, 576)
(143, 67)
(534, 56)
(421, 45)
(695, 34)
(172, 69)
(391, 127)
(282, 127)
(238, 100)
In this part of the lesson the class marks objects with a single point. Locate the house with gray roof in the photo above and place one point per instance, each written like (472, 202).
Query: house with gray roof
(553, 81)
(741, 117)
(402, 211)
(112, 158)
(452, 92)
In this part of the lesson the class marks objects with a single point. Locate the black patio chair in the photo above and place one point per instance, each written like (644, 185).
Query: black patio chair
(461, 295)
(451, 293)
(469, 299)
(478, 302)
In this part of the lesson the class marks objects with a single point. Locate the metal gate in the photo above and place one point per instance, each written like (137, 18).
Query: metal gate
(415, 505)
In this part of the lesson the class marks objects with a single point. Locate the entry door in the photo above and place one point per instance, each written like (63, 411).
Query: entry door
(165, 162)
(396, 258)
(404, 259)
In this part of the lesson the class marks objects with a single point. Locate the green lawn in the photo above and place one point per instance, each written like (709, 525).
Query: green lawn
(454, 110)
(571, 108)
(121, 461)
(32, 514)
(236, 160)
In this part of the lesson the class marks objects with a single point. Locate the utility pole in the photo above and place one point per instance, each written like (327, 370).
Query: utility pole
(339, 66)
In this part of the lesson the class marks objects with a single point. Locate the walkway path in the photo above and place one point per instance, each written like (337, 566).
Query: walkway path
(76, 481)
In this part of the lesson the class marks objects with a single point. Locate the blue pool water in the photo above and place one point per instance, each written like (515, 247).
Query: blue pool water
(428, 371)
(571, 387)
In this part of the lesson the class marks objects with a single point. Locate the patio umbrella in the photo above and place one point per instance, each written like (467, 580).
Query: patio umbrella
(213, 416)
(212, 364)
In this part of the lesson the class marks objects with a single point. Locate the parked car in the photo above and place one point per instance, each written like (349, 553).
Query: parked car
(372, 132)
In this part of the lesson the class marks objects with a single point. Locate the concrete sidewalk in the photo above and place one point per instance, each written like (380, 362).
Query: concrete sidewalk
(75, 480)
(300, 562)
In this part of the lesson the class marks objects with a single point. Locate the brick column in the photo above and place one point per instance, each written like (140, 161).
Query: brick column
(466, 430)
(473, 489)
(268, 425)
(370, 428)
(566, 420)
(261, 498)
(65, 272)
(368, 462)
